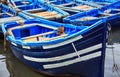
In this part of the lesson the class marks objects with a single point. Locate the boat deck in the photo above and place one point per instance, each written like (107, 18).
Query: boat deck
(83, 7)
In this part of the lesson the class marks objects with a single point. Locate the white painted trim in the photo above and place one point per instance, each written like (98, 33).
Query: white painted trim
(62, 43)
(13, 43)
(66, 63)
(75, 50)
(67, 56)
(26, 47)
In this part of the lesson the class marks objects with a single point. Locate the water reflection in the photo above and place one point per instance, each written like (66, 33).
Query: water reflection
(12, 67)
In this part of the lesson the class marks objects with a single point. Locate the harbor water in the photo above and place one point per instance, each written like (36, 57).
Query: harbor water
(10, 66)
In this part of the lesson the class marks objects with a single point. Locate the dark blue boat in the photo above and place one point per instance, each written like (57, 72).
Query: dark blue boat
(71, 6)
(7, 15)
(111, 12)
(36, 9)
(59, 49)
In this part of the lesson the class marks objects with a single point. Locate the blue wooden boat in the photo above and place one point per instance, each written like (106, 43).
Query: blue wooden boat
(59, 49)
(36, 9)
(111, 12)
(71, 6)
(7, 15)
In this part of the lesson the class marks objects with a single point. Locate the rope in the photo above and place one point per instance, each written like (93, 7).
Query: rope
(115, 66)
(20, 23)
(5, 41)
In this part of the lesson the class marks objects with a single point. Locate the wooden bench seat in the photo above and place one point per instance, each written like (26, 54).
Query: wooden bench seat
(42, 39)
(48, 14)
(83, 7)
(45, 13)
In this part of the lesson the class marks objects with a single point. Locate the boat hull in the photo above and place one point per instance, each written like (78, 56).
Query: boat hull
(87, 61)
(86, 69)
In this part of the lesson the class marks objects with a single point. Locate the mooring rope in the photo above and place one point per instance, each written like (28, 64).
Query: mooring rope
(5, 41)
(115, 66)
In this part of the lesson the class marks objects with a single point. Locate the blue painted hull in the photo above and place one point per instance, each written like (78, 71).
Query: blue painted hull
(91, 67)
(113, 17)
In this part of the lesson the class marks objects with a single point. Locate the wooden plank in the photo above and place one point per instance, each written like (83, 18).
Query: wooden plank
(52, 16)
(42, 39)
(45, 13)
(83, 7)
(38, 35)
(49, 14)
(34, 39)
(9, 19)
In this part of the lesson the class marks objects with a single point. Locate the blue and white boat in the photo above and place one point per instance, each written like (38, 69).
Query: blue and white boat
(78, 51)
(71, 6)
(111, 12)
(7, 15)
(36, 9)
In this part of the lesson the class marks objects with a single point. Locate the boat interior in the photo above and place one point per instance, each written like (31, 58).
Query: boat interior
(73, 5)
(40, 11)
(94, 14)
(40, 32)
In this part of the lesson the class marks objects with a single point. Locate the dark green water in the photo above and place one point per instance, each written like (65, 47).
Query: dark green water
(12, 67)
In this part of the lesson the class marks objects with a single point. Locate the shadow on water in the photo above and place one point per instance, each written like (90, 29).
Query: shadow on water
(10, 66)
